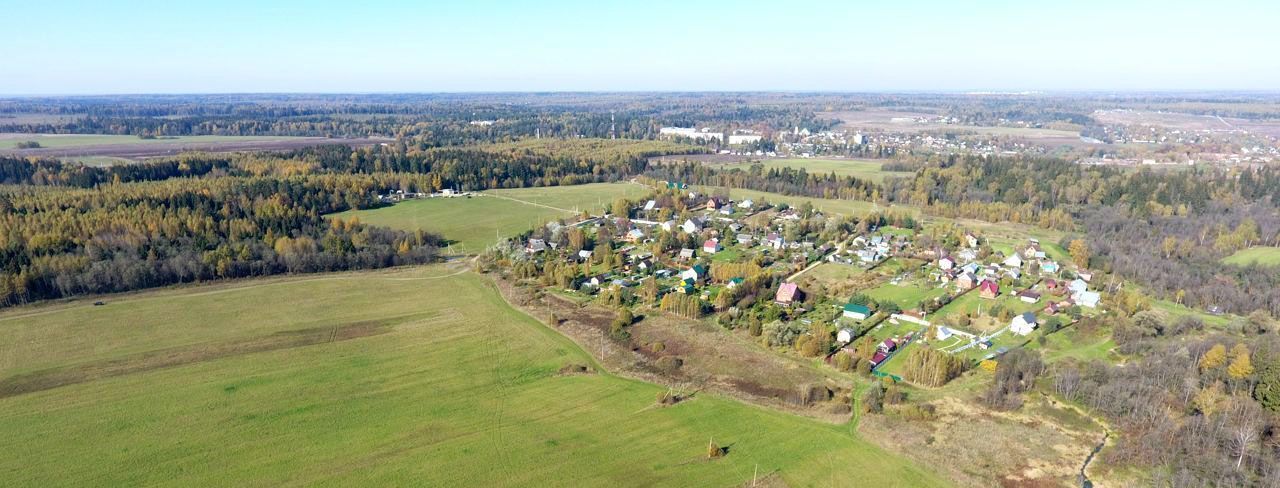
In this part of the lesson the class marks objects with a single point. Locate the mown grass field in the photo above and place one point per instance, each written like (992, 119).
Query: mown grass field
(449, 386)
(1261, 256)
(10, 141)
(477, 222)
(859, 168)
(907, 296)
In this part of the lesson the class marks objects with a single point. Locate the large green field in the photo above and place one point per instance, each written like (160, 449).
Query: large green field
(474, 223)
(1262, 256)
(858, 168)
(414, 376)
(10, 141)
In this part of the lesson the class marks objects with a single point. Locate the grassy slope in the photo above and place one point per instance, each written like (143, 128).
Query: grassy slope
(472, 221)
(1263, 256)
(62, 141)
(859, 168)
(461, 392)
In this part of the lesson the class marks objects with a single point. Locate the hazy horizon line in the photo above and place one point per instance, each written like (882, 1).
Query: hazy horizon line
(940, 91)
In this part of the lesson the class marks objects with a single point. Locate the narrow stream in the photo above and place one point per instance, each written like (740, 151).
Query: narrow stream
(1083, 478)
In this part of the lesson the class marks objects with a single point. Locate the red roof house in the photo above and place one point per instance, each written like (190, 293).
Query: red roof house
(988, 289)
(788, 293)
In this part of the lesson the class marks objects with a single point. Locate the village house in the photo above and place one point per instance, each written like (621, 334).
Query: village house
(596, 281)
(1048, 267)
(535, 246)
(888, 345)
(686, 254)
(744, 238)
(844, 335)
(711, 246)
(1077, 286)
(1023, 324)
(788, 293)
(1088, 299)
(692, 225)
(856, 311)
(695, 273)
(774, 240)
(1013, 261)
(634, 235)
(943, 333)
(988, 289)
(715, 203)
(946, 263)
(1029, 296)
(913, 316)
(967, 280)
(1052, 286)
(644, 264)
(584, 255)
(1033, 251)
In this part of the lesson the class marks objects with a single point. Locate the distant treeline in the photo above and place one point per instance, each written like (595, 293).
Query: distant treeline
(530, 163)
(431, 120)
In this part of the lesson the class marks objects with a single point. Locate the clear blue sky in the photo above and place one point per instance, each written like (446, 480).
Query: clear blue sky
(107, 46)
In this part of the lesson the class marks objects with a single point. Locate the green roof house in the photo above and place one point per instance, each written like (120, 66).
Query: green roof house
(856, 311)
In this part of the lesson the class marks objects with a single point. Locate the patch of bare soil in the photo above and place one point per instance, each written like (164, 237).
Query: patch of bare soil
(54, 378)
(691, 355)
(974, 446)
